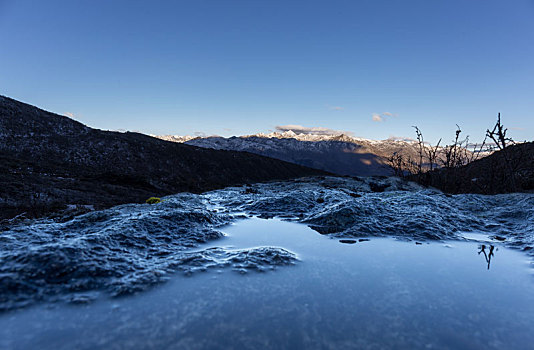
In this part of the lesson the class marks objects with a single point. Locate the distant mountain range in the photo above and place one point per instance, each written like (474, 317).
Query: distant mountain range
(489, 173)
(48, 160)
(338, 154)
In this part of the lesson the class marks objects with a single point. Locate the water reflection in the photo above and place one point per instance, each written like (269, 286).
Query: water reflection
(487, 255)
(381, 294)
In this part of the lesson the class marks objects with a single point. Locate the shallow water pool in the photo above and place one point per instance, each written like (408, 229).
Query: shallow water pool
(360, 294)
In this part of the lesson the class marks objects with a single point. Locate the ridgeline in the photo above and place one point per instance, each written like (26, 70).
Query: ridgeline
(48, 161)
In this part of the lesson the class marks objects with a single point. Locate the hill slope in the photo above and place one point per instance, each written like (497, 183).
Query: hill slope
(505, 171)
(49, 160)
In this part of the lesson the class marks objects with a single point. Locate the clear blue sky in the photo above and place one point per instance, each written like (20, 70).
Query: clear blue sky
(237, 67)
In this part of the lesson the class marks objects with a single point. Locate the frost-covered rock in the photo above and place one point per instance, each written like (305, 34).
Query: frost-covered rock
(128, 248)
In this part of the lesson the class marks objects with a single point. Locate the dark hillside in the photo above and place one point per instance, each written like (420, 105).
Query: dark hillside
(48, 160)
(505, 171)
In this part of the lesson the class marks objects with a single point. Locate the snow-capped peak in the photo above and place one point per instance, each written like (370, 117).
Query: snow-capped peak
(290, 134)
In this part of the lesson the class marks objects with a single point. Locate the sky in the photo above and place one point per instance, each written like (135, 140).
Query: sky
(370, 68)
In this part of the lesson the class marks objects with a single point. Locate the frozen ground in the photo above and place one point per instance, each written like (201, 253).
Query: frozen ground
(348, 263)
(128, 248)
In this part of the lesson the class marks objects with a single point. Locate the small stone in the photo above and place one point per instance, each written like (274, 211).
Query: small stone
(347, 241)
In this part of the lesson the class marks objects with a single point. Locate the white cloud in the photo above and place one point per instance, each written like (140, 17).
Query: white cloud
(382, 117)
(377, 118)
(400, 138)
(299, 129)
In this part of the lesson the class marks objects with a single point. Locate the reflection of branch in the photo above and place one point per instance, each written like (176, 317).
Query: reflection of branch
(487, 256)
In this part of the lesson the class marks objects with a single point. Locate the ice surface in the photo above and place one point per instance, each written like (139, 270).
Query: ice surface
(128, 248)
(377, 293)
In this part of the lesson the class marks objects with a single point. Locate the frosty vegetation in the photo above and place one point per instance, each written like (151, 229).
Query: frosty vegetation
(450, 166)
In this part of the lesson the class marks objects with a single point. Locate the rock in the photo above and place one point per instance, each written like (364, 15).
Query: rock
(377, 187)
(347, 241)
